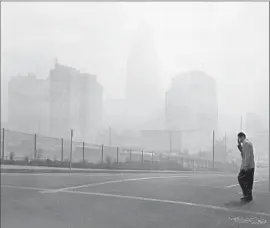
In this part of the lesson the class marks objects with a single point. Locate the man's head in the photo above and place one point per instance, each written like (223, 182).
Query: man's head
(241, 137)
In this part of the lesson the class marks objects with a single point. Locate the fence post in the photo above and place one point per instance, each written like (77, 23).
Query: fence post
(70, 155)
(102, 153)
(182, 162)
(62, 149)
(213, 149)
(117, 154)
(130, 157)
(3, 145)
(142, 156)
(83, 151)
(35, 146)
(152, 157)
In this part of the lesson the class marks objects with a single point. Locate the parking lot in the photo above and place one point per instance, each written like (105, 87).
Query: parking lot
(123, 200)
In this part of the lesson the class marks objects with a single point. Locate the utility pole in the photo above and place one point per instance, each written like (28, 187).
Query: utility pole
(62, 149)
(3, 145)
(268, 165)
(110, 138)
(170, 138)
(225, 142)
(35, 147)
(225, 145)
(241, 124)
(213, 149)
(70, 155)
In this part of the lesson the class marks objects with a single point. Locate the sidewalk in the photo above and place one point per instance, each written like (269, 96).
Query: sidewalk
(45, 169)
(34, 169)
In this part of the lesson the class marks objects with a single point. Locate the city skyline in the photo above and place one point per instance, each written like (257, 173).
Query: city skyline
(66, 99)
(215, 41)
(242, 119)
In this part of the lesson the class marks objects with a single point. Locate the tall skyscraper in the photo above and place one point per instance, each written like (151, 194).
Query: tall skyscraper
(75, 102)
(143, 67)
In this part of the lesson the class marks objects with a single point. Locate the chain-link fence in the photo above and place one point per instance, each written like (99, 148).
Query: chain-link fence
(18, 146)
(48, 148)
(2, 144)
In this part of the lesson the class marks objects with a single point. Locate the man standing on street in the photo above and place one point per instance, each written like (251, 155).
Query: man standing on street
(246, 175)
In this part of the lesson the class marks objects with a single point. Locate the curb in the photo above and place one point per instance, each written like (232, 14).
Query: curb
(46, 169)
(102, 171)
(78, 171)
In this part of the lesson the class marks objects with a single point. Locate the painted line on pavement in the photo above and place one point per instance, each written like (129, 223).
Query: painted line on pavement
(70, 174)
(169, 201)
(112, 182)
(25, 188)
(235, 185)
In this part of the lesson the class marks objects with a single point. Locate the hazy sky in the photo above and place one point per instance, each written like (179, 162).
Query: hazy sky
(228, 40)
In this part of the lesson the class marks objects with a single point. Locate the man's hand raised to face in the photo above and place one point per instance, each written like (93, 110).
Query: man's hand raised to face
(239, 147)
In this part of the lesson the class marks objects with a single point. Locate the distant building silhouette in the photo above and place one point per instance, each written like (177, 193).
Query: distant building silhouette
(191, 107)
(28, 104)
(66, 100)
(191, 102)
(75, 102)
(143, 101)
(143, 106)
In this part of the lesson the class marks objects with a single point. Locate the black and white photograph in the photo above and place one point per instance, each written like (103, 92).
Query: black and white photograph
(133, 114)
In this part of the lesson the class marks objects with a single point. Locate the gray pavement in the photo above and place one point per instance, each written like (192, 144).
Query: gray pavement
(45, 169)
(123, 200)
(22, 168)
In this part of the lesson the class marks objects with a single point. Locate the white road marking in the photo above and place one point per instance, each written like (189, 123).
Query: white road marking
(112, 182)
(231, 186)
(68, 174)
(24, 188)
(169, 201)
(235, 185)
(253, 221)
(201, 186)
(102, 174)
(144, 199)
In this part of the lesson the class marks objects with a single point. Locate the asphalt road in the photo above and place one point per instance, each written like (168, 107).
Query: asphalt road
(153, 200)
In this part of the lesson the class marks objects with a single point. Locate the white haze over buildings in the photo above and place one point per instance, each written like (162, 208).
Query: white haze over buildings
(229, 41)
